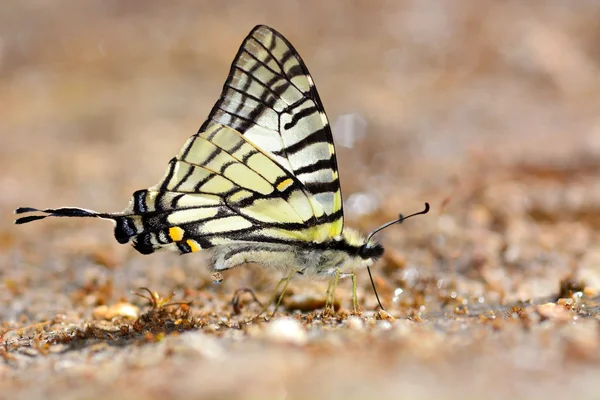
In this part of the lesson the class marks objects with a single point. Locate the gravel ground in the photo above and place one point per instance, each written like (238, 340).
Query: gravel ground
(487, 110)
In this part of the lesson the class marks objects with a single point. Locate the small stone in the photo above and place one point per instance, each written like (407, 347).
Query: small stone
(461, 310)
(581, 340)
(31, 352)
(286, 330)
(384, 315)
(555, 312)
(193, 344)
(384, 325)
(355, 323)
(121, 309)
(58, 348)
(98, 347)
(305, 302)
(565, 302)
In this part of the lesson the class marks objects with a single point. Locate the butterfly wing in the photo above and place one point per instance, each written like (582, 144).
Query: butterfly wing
(270, 98)
(221, 189)
(262, 168)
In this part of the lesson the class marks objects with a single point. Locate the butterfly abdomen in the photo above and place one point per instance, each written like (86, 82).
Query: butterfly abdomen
(347, 253)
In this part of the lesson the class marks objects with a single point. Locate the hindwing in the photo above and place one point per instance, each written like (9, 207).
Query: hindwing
(270, 98)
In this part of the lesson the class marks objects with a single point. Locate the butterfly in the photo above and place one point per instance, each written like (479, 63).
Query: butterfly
(257, 184)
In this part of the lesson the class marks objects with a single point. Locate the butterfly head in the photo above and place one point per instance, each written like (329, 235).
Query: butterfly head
(364, 251)
(370, 250)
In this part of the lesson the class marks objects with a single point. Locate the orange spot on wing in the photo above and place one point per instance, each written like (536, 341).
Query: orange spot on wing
(194, 246)
(285, 184)
(176, 233)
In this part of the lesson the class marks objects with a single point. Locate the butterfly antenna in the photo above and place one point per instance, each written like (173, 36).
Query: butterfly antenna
(396, 221)
(374, 288)
(382, 227)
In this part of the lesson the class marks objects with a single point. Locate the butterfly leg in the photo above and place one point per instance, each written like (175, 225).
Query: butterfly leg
(285, 285)
(266, 306)
(285, 281)
(330, 300)
(354, 297)
(328, 295)
(235, 301)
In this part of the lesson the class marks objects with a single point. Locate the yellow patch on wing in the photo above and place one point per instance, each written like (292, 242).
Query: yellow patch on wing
(194, 246)
(338, 225)
(176, 233)
(285, 184)
(331, 148)
(239, 196)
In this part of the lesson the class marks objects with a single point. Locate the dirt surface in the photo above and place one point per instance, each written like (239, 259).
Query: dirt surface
(488, 110)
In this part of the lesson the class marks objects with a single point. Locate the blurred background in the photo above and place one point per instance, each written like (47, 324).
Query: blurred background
(97, 96)
(488, 110)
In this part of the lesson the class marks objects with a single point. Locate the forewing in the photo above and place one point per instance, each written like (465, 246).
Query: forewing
(270, 98)
(221, 189)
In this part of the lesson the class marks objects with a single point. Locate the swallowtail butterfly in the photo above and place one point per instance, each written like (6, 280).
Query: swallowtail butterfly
(258, 183)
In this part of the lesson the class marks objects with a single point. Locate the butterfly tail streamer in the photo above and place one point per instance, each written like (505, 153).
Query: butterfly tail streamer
(72, 212)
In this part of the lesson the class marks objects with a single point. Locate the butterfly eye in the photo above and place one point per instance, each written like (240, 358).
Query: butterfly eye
(364, 251)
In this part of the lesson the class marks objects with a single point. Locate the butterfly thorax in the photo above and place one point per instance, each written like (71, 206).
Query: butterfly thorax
(346, 253)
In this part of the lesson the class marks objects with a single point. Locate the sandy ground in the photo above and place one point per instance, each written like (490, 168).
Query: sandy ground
(488, 110)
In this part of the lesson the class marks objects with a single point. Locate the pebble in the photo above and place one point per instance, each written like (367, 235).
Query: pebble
(355, 323)
(287, 330)
(555, 312)
(384, 325)
(384, 315)
(306, 302)
(197, 343)
(121, 309)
